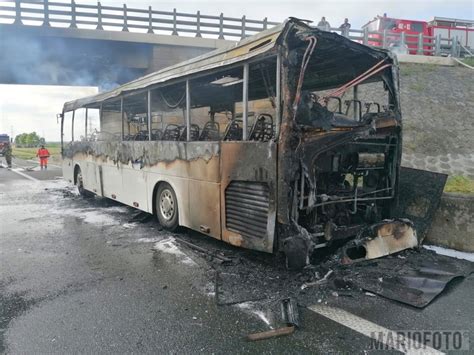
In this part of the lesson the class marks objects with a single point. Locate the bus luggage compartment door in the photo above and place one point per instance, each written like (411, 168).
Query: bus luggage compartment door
(248, 194)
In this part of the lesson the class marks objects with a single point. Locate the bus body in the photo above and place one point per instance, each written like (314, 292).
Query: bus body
(252, 144)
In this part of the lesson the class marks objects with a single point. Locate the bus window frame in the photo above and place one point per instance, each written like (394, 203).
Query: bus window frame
(186, 80)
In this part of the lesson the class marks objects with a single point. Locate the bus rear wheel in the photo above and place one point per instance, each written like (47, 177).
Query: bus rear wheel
(167, 207)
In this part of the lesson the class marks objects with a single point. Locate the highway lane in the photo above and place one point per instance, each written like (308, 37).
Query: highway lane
(77, 276)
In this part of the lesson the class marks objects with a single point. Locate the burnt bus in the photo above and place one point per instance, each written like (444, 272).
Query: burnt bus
(265, 144)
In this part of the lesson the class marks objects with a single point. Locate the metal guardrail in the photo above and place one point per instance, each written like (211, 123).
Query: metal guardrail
(76, 15)
(152, 21)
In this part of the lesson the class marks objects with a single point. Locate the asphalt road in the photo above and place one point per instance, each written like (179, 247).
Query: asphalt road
(77, 276)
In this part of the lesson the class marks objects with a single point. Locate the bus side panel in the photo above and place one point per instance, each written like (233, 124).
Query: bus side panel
(89, 171)
(193, 172)
(68, 169)
(134, 189)
(111, 180)
(204, 211)
(204, 188)
(248, 194)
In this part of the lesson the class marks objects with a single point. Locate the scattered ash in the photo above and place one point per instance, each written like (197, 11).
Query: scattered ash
(262, 279)
(257, 278)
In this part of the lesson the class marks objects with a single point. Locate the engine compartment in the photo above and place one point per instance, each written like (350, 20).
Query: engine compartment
(347, 187)
(348, 170)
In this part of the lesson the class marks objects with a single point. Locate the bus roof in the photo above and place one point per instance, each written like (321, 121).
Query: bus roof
(245, 49)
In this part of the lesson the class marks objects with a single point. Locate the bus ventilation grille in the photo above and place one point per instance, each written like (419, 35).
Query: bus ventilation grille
(246, 205)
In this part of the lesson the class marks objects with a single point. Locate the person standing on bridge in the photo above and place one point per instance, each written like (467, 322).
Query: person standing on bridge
(323, 24)
(345, 27)
(43, 155)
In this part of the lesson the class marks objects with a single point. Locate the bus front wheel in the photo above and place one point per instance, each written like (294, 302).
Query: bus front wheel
(167, 207)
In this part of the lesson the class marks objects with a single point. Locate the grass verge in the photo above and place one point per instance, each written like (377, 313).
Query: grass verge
(30, 153)
(469, 61)
(459, 183)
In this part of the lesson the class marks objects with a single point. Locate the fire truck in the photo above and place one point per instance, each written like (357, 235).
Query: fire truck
(4, 142)
(447, 28)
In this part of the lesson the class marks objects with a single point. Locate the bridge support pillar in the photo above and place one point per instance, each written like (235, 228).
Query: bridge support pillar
(18, 13)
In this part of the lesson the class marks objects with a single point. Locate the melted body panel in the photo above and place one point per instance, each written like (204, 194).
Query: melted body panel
(250, 205)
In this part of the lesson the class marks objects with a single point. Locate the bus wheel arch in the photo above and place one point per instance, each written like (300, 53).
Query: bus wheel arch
(77, 170)
(165, 205)
(78, 181)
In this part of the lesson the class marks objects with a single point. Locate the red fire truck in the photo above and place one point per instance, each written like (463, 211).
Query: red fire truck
(445, 27)
(4, 142)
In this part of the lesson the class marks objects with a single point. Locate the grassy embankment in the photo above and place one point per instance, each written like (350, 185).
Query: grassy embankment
(30, 153)
(459, 183)
(469, 61)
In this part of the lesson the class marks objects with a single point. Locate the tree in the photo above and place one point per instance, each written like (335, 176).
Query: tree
(29, 140)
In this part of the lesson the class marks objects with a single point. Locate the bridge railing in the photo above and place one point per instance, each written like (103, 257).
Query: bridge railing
(76, 15)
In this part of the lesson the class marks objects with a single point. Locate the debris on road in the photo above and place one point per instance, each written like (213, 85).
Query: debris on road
(419, 198)
(289, 312)
(415, 280)
(381, 239)
(249, 277)
(271, 333)
(318, 282)
(220, 257)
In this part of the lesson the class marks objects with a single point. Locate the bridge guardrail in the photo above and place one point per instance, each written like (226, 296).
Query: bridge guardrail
(78, 15)
(104, 17)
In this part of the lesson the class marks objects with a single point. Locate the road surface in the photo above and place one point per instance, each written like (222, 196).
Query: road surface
(78, 276)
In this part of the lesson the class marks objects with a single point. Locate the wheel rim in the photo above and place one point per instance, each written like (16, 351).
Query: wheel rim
(167, 205)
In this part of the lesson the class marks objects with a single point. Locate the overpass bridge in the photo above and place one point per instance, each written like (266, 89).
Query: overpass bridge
(68, 43)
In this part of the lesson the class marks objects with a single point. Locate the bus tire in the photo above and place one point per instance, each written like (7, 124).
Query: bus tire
(79, 182)
(166, 206)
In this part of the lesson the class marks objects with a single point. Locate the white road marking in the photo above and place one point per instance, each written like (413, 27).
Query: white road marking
(451, 252)
(17, 171)
(372, 330)
(49, 164)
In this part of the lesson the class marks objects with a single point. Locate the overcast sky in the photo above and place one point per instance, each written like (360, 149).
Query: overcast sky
(33, 108)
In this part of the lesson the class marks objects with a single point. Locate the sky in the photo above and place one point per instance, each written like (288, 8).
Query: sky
(33, 108)
(25, 108)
